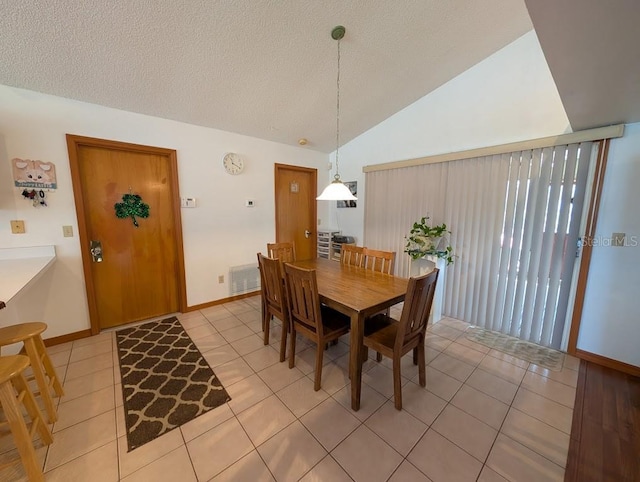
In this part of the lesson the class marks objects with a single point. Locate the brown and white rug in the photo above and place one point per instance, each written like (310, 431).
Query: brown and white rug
(525, 350)
(166, 382)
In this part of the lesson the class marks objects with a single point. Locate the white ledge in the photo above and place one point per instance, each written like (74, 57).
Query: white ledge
(19, 267)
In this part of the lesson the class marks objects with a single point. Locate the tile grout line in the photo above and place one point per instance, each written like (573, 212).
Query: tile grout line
(332, 396)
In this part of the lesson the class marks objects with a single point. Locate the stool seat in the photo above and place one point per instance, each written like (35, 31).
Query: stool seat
(10, 366)
(15, 394)
(17, 333)
(44, 372)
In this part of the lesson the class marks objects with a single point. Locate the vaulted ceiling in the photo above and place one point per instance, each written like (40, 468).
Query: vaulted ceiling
(267, 68)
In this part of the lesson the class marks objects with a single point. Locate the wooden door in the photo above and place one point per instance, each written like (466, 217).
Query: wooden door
(141, 274)
(296, 190)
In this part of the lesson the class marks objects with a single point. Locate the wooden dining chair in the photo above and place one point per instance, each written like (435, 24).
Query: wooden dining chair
(309, 317)
(352, 255)
(273, 299)
(285, 252)
(393, 338)
(377, 260)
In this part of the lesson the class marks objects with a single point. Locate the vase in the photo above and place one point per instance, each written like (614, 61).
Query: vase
(424, 265)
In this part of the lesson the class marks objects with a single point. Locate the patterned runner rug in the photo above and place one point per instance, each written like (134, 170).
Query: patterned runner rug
(165, 380)
(540, 355)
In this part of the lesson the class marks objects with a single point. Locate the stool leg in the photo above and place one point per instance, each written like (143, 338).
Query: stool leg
(49, 368)
(20, 433)
(20, 384)
(38, 373)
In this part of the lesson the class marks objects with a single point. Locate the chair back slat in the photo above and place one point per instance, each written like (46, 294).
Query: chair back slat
(352, 255)
(285, 252)
(304, 301)
(378, 260)
(417, 308)
(271, 273)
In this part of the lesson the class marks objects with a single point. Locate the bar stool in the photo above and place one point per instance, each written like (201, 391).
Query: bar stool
(29, 334)
(11, 381)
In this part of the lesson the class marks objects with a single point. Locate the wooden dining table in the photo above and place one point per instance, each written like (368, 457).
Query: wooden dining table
(357, 293)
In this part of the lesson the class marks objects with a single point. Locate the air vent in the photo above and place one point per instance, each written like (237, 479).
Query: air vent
(244, 279)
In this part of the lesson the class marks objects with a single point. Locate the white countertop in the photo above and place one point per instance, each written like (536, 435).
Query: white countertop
(21, 266)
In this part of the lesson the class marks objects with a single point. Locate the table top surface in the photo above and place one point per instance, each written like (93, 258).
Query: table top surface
(357, 289)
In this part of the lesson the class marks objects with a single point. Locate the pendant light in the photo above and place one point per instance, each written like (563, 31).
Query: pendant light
(337, 191)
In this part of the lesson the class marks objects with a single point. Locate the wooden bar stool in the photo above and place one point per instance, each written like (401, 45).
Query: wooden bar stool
(13, 392)
(29, 334)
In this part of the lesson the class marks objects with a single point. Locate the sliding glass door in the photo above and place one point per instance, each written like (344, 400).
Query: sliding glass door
(515, 225)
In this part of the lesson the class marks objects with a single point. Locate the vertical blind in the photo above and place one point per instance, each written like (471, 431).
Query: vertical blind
(514, 221)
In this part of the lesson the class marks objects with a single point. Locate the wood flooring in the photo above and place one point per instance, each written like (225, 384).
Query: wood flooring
(605, 436)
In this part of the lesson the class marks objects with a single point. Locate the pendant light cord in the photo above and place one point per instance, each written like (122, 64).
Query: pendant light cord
(337, 176)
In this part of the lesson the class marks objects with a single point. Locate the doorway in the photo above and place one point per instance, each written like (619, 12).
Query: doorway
(133, 265)
(296, 189)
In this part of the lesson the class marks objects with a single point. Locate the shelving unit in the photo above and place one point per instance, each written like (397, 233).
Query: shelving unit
(336, 250)
(325, 243)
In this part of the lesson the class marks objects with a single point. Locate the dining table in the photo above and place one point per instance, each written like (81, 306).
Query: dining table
(358, 293)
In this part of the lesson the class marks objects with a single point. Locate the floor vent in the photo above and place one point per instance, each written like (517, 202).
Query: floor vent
(244, 279)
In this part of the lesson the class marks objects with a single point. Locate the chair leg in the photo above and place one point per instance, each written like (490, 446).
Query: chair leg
(415, 356)
(49, 368)
(266, 325)
(283, 342)
(292, 347)
(318, 378)
(378, 357)
(38, 373)
(20, 384)
(20, 433)
(365, 354)
(422, 375)
(397, 384)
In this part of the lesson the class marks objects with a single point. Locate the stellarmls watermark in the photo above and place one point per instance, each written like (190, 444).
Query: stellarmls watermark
(610, 241)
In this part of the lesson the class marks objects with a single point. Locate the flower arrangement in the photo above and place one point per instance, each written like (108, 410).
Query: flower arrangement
(425, 239)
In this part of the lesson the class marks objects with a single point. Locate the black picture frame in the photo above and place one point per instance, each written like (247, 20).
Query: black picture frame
(353, 187)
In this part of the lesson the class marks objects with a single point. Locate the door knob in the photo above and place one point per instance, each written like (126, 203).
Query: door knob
(95, 248)
(307, 233)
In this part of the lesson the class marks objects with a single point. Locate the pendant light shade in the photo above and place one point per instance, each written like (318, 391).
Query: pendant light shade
(337, 191)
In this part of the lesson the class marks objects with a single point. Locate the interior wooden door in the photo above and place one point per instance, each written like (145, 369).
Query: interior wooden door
(141, 273)
(296, 190)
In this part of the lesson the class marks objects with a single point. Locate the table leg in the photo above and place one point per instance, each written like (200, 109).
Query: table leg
(355, 362)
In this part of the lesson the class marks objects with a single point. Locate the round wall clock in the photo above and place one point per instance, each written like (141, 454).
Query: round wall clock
(233, 163)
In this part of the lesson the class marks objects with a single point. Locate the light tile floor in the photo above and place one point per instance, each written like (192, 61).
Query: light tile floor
(483, 416)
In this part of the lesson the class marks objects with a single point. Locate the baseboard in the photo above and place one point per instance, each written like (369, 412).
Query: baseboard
(58, 340)
(608, 362)
(76, 335)
(222, 301)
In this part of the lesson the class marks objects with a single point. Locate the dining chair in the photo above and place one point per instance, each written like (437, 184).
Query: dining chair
(394, 338)
(274, 301)
(309, 317)
(377, 260)
(285, 252)
(351, 254)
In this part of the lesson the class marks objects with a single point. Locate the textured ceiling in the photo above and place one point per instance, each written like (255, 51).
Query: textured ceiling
(264, 68)
(592, 49)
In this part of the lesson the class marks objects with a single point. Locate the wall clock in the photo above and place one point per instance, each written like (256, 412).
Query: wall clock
(233, 163)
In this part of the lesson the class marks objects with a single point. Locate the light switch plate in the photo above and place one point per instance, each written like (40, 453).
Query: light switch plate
(67, 231)
(17, 227)
(188, 202)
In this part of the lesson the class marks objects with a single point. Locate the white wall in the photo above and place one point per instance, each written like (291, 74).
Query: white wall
(610, 320)
(510, 96)
(221, 232)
